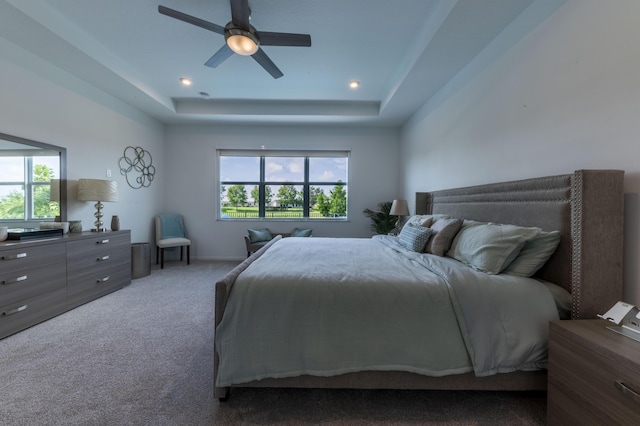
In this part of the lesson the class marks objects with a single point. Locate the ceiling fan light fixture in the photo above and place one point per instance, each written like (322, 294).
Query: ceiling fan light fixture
(241, 42)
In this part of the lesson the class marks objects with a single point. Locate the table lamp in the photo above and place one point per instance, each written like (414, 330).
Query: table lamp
(399, 208)
(98, 190)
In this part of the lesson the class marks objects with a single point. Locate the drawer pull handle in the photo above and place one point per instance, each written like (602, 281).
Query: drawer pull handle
(105, 241)
(104, 280)
(100, 259)
(14, 311)
(14, 256)
(627, 391)
(15, 280)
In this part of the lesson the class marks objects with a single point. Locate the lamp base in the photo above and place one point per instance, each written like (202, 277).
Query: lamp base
(98, 214)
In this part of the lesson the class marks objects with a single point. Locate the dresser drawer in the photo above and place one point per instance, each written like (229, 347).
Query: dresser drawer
(594, 378)
(18, 316)
(96, 255)
(96, 261)
(90, 247)
(31, 282)
(27, 257)
(97, 282)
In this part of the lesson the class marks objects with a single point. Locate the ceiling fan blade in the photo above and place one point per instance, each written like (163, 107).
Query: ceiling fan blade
(219, 57)
(191, 20)
(240, 14)
(267, 63)
(283, 39)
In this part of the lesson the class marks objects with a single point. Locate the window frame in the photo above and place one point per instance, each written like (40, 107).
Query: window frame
(306, 184)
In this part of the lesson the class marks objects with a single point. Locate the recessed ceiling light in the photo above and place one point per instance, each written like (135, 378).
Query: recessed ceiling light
(354, 84)
(185, 81)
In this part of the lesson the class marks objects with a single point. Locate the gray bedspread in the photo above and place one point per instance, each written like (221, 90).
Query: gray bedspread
(326, 306)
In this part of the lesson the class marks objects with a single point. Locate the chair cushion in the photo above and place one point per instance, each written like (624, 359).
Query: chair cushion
(173, 242)
(172, 226)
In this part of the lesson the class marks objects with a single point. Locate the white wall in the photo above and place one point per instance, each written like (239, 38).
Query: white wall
(564, 96)
(40, 102)
(190, 184)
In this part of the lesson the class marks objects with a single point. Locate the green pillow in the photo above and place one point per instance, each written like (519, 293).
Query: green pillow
(258, 235)
(301, 232)
(534, 254)
(490, 247)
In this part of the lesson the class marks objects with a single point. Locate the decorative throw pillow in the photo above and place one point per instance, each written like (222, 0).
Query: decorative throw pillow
(301, 232)
(490, 247)
(414, 237)
(418, 219)
(534, 254)
(258, 235)
(443, 232)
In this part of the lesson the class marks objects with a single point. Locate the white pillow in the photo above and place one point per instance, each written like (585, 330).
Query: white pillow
(490, 247)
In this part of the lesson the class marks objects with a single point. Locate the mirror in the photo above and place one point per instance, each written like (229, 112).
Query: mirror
(33, 181)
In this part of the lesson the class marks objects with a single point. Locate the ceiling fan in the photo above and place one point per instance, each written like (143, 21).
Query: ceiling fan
(241, 37)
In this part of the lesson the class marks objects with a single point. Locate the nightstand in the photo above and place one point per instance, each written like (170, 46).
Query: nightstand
(594, 375)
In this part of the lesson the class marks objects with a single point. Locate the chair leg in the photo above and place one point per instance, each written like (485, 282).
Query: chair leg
(188, 255)
(181, 247)
(162, 258)
(157, 255)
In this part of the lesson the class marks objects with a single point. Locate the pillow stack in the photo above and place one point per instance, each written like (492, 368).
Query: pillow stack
(495, 248)
(492, 248)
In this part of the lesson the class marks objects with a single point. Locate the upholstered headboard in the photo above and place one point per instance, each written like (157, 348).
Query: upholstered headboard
(586, 206)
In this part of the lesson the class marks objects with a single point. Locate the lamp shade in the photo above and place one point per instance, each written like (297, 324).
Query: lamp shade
(399, 208)
(97, 190)
(54, 190)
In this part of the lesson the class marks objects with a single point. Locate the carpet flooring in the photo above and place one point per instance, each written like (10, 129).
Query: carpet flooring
(143, 355)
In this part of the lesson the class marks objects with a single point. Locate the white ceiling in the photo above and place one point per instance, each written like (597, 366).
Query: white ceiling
(402, 52)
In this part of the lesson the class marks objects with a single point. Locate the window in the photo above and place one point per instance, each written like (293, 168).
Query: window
(283, 184)
(30, 197)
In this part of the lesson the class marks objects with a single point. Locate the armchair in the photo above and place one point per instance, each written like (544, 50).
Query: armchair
(171, 232)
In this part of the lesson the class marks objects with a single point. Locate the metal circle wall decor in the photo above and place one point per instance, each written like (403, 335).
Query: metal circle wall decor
(136, 166)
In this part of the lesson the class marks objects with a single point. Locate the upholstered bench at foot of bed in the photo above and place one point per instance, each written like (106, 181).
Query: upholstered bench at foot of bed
(254, 247)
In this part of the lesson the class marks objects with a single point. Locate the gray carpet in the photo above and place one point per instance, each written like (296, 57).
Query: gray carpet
(144, 354)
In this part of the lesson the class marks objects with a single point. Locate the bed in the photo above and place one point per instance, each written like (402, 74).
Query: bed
(586, 207)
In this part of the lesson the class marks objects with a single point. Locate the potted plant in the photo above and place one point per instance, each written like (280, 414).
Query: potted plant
(382, 221)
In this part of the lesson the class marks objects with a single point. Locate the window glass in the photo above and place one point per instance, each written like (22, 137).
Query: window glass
(283, 185)
(327, 169)
(10, 167)
(31, 198)
(284, 169)
(12, 202)
(239, 169)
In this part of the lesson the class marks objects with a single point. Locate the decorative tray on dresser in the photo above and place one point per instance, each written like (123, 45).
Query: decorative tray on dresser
(41, 278)
(594, 375)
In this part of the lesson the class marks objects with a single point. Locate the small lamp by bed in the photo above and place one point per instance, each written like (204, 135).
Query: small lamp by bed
(399, 208)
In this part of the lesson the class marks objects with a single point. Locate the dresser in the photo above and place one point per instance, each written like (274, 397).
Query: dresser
(594, 375)
(42, 278)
